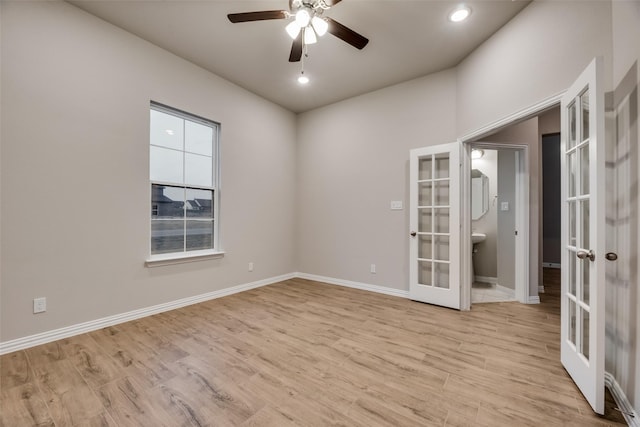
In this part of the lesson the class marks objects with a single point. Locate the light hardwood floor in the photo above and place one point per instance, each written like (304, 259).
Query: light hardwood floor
(305, 353)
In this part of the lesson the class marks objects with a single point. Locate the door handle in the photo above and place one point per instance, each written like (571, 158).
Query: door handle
(413, 234)
(611, 256)
(583, 255)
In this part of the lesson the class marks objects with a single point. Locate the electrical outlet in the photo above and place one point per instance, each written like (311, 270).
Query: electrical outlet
(250, 266)
(373, 269)
(396, 205)
(39, 305)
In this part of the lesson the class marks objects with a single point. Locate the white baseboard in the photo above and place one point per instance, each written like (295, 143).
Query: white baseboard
(69, 331)
(551, 265)
(533, 300)
(629, 414)
(485, 279)
(92, 325)
(504, 288)
(357, 285)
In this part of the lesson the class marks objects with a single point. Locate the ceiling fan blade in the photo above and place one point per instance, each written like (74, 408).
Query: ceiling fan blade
(348, 35)
(257, 16)
(296, 49)
(332, 2)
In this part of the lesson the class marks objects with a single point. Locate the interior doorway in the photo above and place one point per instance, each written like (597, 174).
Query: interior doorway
(524, 129)
(551, 201)
(499, 224)
(583, 224)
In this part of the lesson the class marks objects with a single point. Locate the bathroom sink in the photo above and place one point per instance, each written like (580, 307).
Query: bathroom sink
(478, 237)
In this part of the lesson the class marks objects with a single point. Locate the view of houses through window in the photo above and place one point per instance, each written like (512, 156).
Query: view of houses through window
(183, 171)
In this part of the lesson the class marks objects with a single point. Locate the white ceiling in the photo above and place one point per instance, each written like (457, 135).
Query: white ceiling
(408, 39)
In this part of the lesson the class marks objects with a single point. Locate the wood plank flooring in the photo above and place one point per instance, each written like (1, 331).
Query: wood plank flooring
(303, 353)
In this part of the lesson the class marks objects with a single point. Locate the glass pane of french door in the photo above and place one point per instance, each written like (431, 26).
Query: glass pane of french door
(433, 226)
(578, 206)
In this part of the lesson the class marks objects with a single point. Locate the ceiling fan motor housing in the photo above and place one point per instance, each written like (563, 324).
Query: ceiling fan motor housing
(316, 7)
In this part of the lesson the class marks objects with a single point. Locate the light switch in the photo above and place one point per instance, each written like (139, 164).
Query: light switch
(396, 205)
(504, 206)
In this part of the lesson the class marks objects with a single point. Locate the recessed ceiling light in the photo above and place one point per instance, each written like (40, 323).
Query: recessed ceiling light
(477, 154)
(460, 14)
(302, 79)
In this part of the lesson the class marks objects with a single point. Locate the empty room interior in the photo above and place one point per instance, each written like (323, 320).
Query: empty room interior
(319, 212)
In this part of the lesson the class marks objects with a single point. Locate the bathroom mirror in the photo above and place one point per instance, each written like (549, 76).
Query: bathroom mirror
(479, 194)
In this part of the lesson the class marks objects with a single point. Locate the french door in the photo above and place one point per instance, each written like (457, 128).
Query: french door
(434, 201)
(583, 225)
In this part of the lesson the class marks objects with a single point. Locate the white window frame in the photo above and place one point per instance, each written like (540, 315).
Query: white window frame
(183, 256)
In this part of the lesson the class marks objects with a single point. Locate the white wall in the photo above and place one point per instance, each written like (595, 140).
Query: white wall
(75, 189)
(536, 55)
(623, 296)
(353, 160)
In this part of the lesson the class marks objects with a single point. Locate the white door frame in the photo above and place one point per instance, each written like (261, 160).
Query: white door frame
(522, 212)
(465, 238)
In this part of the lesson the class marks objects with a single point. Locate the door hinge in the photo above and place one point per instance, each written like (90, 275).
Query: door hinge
(516, 232)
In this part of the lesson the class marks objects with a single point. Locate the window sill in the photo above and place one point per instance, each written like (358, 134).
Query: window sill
(170, 259)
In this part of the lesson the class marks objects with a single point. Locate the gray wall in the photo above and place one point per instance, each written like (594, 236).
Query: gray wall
(506, 247)
(551, 244)
(495, 257)
(526, 133)
(623, 296)
(341, 215)
(549, 123)
(536, 55)
(485, 263)
(75, 96)
(353, 160)
(75, 179)
(335, 238)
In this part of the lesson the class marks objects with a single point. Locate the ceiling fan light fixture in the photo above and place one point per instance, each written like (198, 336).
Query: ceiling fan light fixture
(319, 25)
(460, 14)
(310, 36)
(303, 17)
(293, 29)
(304, 24)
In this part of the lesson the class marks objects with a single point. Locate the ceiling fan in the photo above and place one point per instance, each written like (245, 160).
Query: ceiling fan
(308, 23)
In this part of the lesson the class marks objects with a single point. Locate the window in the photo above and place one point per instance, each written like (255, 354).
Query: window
(183, 174)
